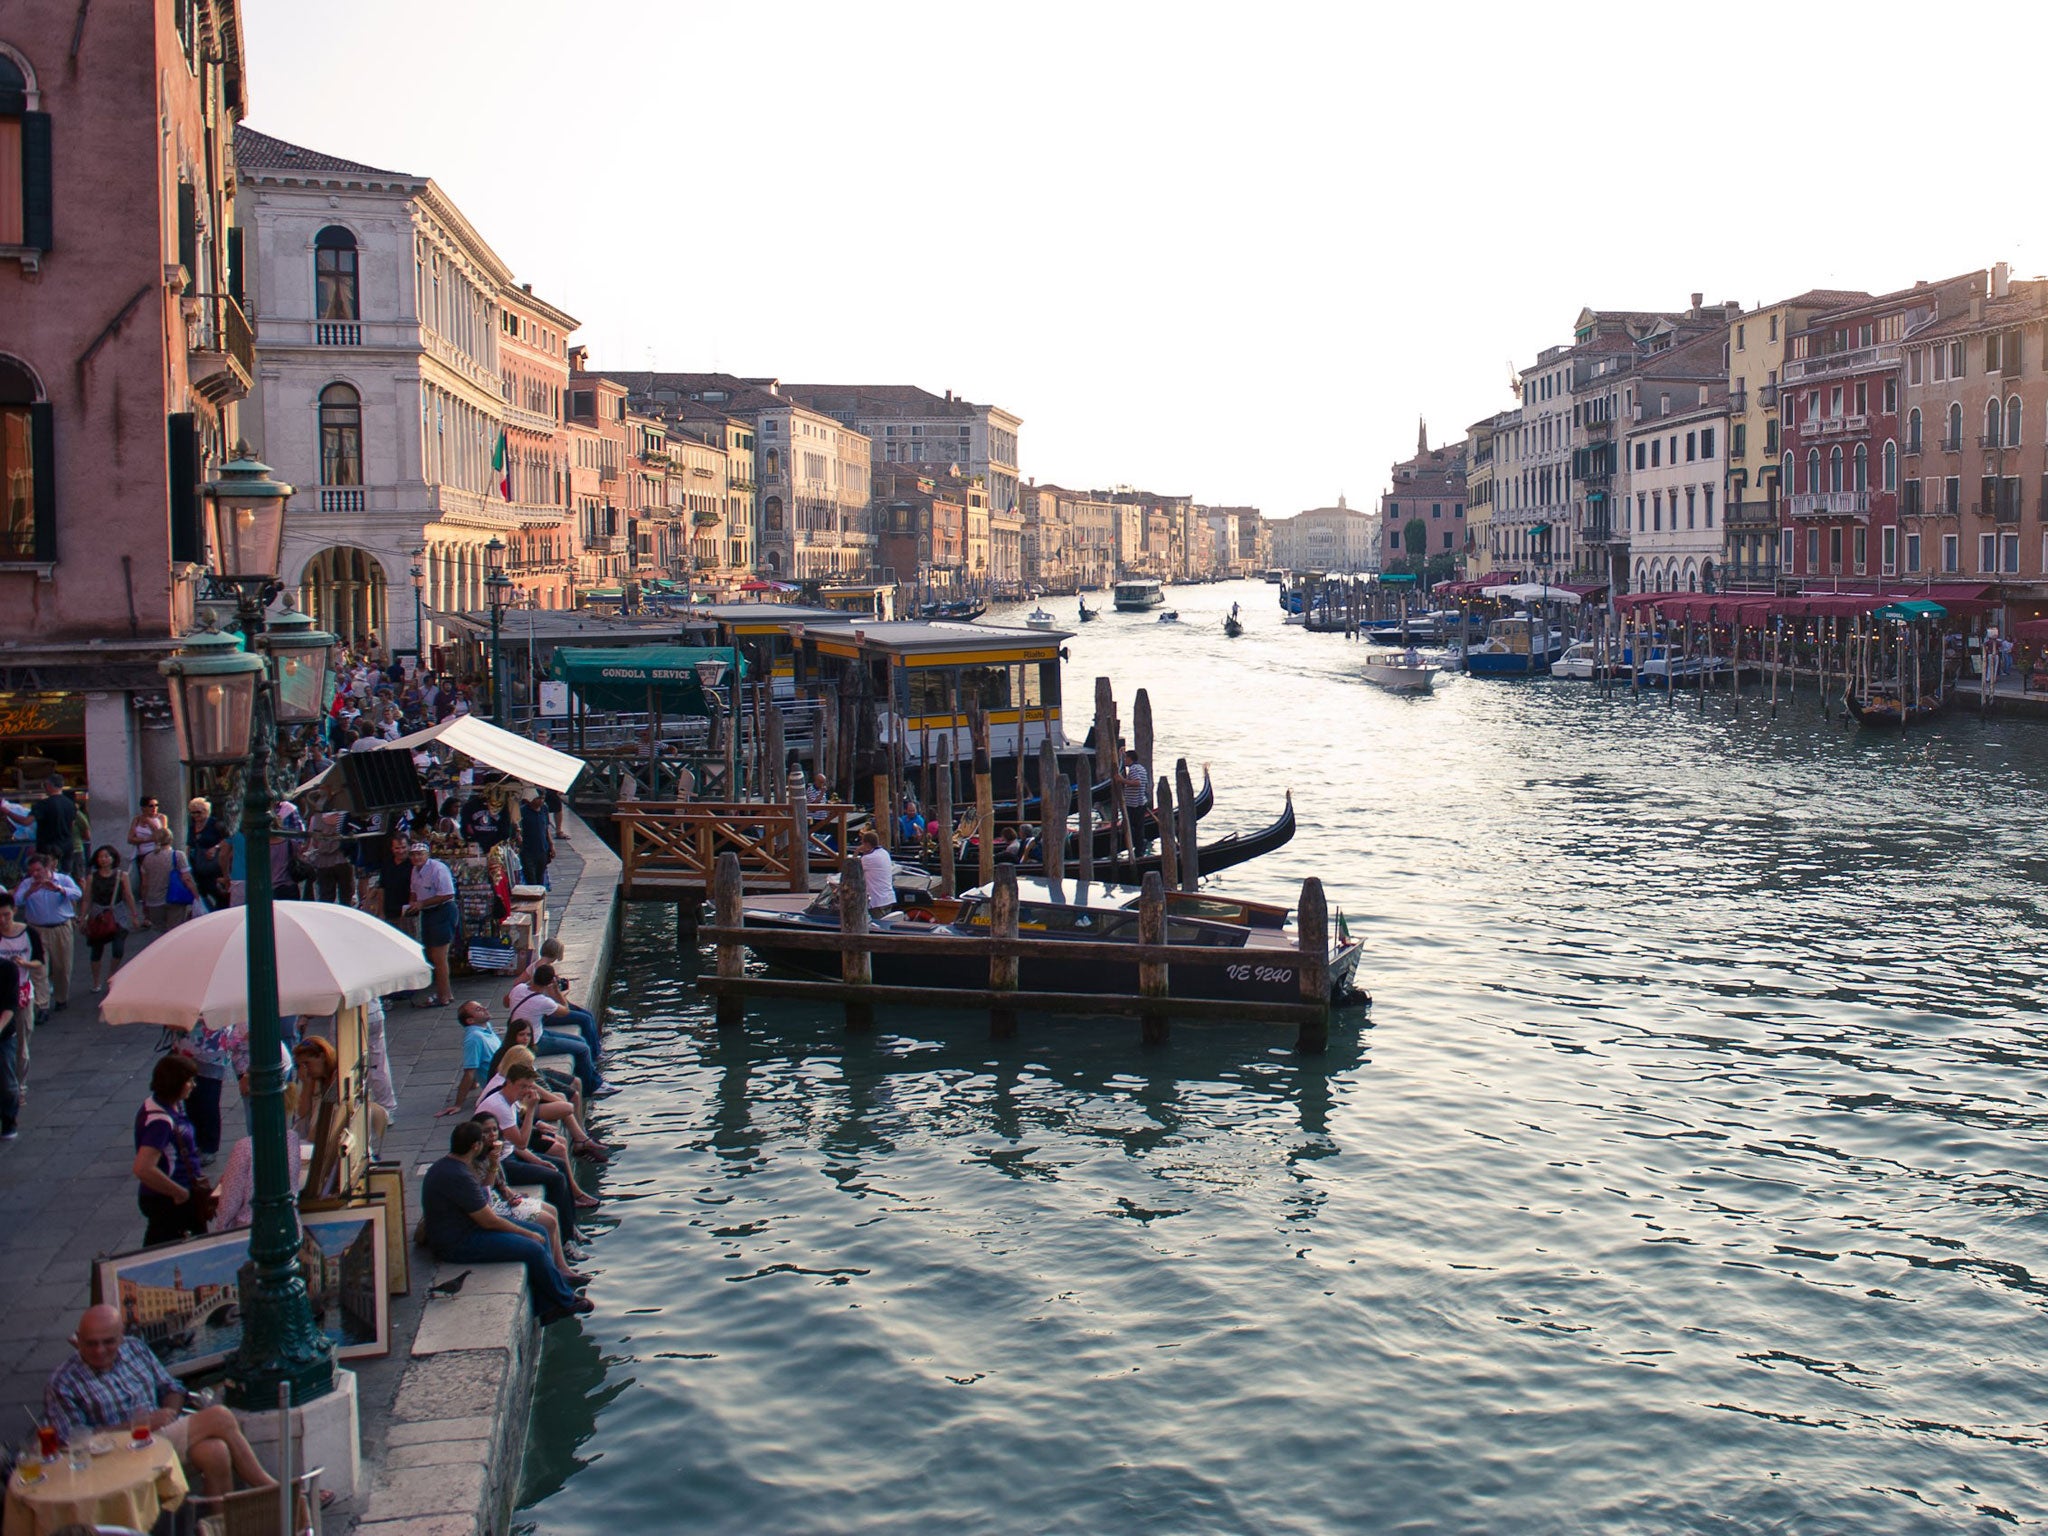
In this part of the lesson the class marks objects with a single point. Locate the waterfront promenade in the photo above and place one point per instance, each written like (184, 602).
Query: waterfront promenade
(67, 1195)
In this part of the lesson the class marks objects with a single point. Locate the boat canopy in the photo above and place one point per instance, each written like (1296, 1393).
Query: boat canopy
(629, 678)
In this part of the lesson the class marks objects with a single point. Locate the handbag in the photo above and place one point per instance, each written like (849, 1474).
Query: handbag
(176, 892)
(102, 925)
(298, 868)
(205, 1202)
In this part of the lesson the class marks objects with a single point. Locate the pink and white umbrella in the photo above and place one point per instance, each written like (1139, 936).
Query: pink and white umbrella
(328, 958)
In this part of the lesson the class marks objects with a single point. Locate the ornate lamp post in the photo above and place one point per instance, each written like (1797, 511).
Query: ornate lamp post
(498, 593)
(224, 716)
(419, 633)
(711, 672)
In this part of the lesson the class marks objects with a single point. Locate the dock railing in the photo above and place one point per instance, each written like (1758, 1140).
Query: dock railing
(675, 848)
(856, 943)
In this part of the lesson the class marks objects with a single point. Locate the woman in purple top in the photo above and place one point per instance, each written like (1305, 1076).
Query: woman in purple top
(167, 1157)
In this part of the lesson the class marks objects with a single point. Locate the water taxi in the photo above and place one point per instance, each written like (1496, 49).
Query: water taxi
(1137, 595)
(1038, 618)
(1407, 673)
(1518, 647)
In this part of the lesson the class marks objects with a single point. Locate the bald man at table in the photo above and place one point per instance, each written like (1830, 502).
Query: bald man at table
(112, 1382)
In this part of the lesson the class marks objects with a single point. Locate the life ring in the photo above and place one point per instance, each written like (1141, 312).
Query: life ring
(920, 915)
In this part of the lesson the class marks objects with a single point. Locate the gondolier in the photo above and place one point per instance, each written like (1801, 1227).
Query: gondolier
(1136, 782)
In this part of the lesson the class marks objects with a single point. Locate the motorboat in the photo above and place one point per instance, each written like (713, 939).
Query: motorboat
(1137, 595)
(1276, 576)
(1664, 666)
(1581, 662)
(1406, 673)
(1515, 647)
(1094, 914)
(1038, 618)
(1296, 617)
(1171, 616)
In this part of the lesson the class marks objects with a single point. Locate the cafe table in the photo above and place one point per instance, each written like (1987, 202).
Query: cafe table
(121, 1486)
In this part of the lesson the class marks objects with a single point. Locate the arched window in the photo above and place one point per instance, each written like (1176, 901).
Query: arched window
(334, 275)
(1835, 468)
(1812, 469)
(1994, 418)
(1913, 430)
(2012, 422)
(1642, 575)
(27, 466)
(24, 156)
(1954, 440)
(1891, 466)
(774, 463)
(1786, 483)
(341, 436)
(771, 510)
(1862, 482)
(1706, 575)
(1692, 577)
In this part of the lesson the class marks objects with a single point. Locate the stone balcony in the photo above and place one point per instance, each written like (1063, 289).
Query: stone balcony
(1854, 504)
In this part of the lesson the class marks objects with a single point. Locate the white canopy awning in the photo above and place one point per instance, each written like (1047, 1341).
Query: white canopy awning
(526, 760)
(1535, 592)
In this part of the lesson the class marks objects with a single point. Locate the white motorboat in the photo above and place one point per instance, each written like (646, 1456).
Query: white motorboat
(1171, 616)
(1403, 673)
(1038, 618)
(1581, 661)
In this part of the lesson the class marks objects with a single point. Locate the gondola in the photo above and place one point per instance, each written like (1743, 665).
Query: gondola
(1105, 826)
(1087, 613)
(965, 611)
(1233, 627)
(1879, 709)
(1224, 853)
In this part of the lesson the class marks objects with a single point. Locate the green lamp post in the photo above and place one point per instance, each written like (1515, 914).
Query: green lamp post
(498, 593)
(224, 716)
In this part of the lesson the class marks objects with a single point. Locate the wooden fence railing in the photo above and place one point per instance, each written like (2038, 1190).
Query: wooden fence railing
(670, 848)
(857, 943)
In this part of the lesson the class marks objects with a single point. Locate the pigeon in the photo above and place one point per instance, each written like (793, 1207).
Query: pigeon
(448, 1287)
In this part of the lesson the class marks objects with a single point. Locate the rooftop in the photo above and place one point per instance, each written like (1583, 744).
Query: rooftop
(260, 152)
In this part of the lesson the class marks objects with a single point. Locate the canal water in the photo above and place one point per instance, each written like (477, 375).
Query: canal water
(1688, 1173)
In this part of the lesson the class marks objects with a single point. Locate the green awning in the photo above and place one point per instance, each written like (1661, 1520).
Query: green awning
(1909, 611)
(620, 677)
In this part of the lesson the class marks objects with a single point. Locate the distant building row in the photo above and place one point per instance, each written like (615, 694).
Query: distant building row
(1837, 436)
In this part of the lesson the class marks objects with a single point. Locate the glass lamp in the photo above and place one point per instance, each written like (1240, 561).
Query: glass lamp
(299, 652)
(710, 673)
(498, 590)
(213, 698)
(248, 519)
(494, 555)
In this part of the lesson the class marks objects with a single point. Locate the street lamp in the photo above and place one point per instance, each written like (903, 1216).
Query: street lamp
(710, 673)
(497, 592)
(224, 717)
(419, 633)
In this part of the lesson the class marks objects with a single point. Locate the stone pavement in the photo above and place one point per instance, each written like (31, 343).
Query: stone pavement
(67, 1192)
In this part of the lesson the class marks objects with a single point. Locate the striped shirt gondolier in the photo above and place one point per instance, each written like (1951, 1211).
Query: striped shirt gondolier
(78, 1398)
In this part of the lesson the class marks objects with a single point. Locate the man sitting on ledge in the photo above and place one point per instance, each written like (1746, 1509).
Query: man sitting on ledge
(461, 1228)
(112, 1383)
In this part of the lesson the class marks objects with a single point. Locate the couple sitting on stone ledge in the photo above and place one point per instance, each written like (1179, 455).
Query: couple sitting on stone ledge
(472, 1216)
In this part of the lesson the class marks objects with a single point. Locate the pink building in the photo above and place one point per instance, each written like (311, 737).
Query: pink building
(123, 353)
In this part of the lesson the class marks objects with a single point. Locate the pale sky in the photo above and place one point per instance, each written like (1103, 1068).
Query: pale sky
(1217, 251)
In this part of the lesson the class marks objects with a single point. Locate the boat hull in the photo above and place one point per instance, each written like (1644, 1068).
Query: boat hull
(1267, 974)
(1401, 679)
(1509, 663)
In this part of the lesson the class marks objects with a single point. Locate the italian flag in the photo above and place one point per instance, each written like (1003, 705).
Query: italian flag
(501, 462)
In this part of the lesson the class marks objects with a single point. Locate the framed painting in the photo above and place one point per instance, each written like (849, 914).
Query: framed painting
(184, 1299)
(383, 1186)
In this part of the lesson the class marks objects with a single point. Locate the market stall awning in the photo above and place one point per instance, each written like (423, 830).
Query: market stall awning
(620, 677)
(457, 623)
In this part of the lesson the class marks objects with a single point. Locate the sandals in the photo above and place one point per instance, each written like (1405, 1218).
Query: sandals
(429, 1002)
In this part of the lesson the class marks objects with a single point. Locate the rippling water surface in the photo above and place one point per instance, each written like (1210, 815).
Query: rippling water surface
(1687, 1175)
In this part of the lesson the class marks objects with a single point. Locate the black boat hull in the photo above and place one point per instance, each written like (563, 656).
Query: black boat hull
(1264, 975)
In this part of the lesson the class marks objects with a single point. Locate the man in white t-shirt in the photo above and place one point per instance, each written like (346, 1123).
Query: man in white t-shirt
(542, 1004)
(510, 1103)
(878, 870)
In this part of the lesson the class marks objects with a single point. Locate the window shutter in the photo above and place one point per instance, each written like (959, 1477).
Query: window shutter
(1987, 496)
(43, 453)
(188, 538)
(235, 265)
(188, 229)
(37, 200)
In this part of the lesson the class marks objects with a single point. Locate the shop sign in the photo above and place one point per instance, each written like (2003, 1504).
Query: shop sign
(41, 714)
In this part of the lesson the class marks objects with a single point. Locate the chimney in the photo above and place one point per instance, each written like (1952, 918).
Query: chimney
(1697, 300)
(2001, 280)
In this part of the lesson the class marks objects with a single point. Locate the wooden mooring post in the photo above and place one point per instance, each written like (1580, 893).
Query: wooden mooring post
(856, 966)
(1002, 969)
(729, 896)
(1312, 925)
(1169, 835)
(1084, 823)
(1152, 974)
(1190, 852)
(944, 786)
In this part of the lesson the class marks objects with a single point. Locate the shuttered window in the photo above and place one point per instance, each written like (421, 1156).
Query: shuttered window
(181, 453)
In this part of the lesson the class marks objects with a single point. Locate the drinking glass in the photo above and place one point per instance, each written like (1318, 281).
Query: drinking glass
(30, 1463)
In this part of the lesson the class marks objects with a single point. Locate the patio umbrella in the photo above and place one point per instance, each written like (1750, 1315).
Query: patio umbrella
(328, 957)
